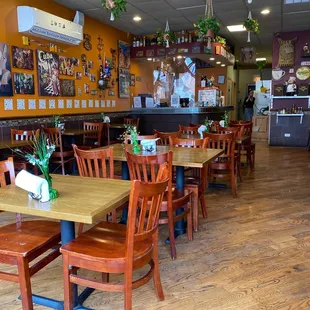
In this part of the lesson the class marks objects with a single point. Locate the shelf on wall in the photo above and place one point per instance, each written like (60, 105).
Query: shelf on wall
(281, 115)
(290, 97)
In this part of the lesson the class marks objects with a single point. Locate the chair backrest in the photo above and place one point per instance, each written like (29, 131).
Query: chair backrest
(214, 127)
(94, 135)
(164, 136)
(237, 131)
(226, 141)
(245, 130)
(194, 125)
(23, 135)
(240, 122)
(97, 163)
(143, 212)
(191, 143)
(132, 122)
(188, 130)
(146, 168)
(127, 138)
(7, 171)
(54, 137)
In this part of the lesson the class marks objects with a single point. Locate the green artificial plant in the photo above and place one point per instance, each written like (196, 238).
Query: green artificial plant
(251, 25)
(115, 7)
(207, 26)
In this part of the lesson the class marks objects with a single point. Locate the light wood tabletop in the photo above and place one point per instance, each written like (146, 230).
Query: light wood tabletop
(118, 126)
(9, 144)
(239, 140)
(82, 200)
(77, 132)
(184, 157)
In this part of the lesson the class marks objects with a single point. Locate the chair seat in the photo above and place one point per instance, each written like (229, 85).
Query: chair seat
(106, 243)
(25, 238)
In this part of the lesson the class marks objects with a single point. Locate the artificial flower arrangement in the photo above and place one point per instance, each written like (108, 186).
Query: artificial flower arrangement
(251, 25)
(225, 118)
(115, 7)
(208, 124)
(56, 120)
(132, 132)
(42, 152)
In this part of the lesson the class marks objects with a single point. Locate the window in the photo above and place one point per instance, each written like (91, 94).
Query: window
(296, 1)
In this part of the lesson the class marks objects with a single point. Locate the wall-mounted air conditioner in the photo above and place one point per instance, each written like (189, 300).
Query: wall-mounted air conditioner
(50, 27)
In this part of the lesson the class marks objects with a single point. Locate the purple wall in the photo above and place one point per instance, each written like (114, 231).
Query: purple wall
(303, 37)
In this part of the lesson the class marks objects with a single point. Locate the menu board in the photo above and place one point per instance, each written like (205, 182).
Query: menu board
(210, 97)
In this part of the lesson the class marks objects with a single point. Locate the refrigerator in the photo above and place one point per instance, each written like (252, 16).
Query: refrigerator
(262, 100)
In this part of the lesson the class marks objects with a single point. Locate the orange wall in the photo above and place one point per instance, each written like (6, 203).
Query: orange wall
(9, 34)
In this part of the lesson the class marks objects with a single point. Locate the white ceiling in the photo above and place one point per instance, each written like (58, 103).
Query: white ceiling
(183, 13)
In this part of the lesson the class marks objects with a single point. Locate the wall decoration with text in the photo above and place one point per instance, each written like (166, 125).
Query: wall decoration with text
(124, 54)
(66, 66)
(48, 73)
(6, 88)
(124, 83)
(23, 83)
(22, 58)
(67, 88)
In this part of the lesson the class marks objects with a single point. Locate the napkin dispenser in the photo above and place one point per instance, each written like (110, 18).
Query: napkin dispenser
(149, 145)
(106, 119)
(222, 123)
(201, 130)
(36, 187)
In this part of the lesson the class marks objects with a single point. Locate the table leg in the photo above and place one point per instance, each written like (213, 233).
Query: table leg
(125, 176)
(179, 228)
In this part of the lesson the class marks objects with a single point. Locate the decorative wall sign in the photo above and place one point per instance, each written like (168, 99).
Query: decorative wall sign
(150, 53)
(305, 63)
(196, 49)
(76, 104)
(277, 74)
(161, 52)
(286, 53)
(67, 88)
(111, 92)
(139, 53)
(22, 58)
(124, 54)
(92, 77)
(69, 104)
(113, 52)
(6, 88)
(132, 80)
(86, 88)
(21, 104)
(48, 73)
(182, 50)
(90, 64)
(66, 66)
(248, 55)
(78, 75)
(124, 83)
(23, 83)
(61, 103)
(172, 51)
(8, 104)
(76, 62)
(87, 42)
(303, 73)
(42, 104)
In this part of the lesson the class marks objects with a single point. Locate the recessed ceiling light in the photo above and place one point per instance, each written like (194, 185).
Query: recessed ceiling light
(261, 59)
(137, 18)
(265, 12)
(212, 59)
(150, 59)
(218, 62)
(223, 65)
(235, 28)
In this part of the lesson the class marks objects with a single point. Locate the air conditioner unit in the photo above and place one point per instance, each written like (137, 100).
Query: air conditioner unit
(50, 27)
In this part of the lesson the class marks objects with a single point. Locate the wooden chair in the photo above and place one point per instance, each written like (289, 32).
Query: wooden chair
(144, 168)
(194, 184)
(94, 137)
(61, 155)
(237, 131)
(23, 242)
(248, 147)
(225, 162)
(24, 135)
(106, 133)
(188, 130)
(132, 122)
(127, 139)
(164, 136)
(194, 125)
(115, 248)
(95, 164)
(214, 126)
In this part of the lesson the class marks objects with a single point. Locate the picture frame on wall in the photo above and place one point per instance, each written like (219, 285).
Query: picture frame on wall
(6, 87)
(67, 88)
(123, 83)
(221, 79)
(132, 80)
(23, 83)
(124, 54)
(22, 58)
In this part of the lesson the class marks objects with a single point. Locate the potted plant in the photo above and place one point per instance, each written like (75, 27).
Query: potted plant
(260, 65)
(251, 25)
(115, 7)
(208, 27)
(221, 40)
(165, 36)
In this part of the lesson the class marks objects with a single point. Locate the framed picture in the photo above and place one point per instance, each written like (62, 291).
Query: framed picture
(248, 55)
(6, 88)
(22, 58)
(132, 80)
(123, 83)
(67, 88)
(66, 66)
(48, 73)
(221, 79)
(124, 54)
(23, 83)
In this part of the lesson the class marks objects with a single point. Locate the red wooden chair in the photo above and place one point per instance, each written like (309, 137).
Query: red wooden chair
(144, 168)
(194, 184)
(164, 136)
(188, 130)
(23, 242)
(115, 248)
(93, 137)
(194, 125)
(61, 155)
(224, 164)
(132, 122)
(127, 139)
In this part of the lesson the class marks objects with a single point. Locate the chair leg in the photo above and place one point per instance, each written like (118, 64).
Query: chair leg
(190, 224)
(203, 206)
(105, 277)
(81, 227)
(233, 183)
(128, 289)
(156, 276)
(24, 283)
(114, 216)
(68, 294)
(195, 209)
(171, 235)
(253, 157)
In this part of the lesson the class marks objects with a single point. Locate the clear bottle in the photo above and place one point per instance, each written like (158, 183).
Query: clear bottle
(179, 38)
(134, 42)
(190, 37)
(183, 36)
(186, 37)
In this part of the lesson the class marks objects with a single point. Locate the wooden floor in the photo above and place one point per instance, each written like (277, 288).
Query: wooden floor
(253, 252)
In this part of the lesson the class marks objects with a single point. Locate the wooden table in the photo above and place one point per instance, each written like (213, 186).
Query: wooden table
(118, 126)
(182, 157)
(9, 144)
(82, 200)
(77, 132)
(239, 140)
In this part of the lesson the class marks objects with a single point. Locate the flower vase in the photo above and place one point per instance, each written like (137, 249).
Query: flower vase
(136, 147)
(53, 193)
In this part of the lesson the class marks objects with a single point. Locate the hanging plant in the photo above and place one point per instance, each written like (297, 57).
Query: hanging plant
(220, 39)
(165, 36)
(251, 25)
(208, 27)
(116, 7)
